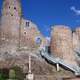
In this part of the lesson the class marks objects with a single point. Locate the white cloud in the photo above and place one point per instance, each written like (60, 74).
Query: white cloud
(76, 11)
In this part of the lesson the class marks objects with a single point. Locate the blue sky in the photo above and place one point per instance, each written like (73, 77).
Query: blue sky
(46, 13)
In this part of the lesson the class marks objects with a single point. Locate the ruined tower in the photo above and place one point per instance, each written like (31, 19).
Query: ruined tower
(78, 35)
(61, 44)
(10, 20)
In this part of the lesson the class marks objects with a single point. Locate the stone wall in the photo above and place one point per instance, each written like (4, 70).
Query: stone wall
(72, 79)
(10, 21)
(16, 31)
(30, 35)
(61, 44)
(75, 41)
(77, 32)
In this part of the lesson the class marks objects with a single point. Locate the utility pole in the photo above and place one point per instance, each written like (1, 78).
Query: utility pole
(57, 65)
(30, 75)
(29, 64)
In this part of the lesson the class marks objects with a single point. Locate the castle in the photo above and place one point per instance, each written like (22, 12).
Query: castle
(18, 31)
(20, 37)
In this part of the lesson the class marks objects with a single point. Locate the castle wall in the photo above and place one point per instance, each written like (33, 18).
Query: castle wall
(30, 35)
(75, 41)
(77, 31)
(61, 44)
(16, 31)
(24, 34)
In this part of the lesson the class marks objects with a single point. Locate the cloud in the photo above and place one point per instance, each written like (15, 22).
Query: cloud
(76, 11)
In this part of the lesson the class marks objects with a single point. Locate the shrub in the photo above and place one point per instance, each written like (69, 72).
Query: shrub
(18, 73)
(12, 74)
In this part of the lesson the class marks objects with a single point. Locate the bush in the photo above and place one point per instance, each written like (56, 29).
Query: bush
(18, 73)
(1, 77)
(12, 74)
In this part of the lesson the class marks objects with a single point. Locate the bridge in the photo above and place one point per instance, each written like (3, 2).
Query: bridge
(57, 60)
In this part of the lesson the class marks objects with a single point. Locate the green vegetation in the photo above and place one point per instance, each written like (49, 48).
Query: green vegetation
(12, 74)
(4, 74)
(15, 73)
(2, 77)
(19, 75)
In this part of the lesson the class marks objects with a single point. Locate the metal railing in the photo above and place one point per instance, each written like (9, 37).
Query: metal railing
(52, 59)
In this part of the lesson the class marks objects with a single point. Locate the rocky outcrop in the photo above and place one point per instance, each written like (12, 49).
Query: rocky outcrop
(39, 65)
(72, 78)
(61, 44)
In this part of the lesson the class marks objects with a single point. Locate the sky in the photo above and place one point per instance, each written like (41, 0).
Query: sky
(47, 13)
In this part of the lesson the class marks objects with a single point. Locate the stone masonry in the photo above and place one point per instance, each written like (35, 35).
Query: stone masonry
(61, 44)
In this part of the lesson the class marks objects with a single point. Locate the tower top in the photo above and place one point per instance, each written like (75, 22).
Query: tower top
(11, 17)
(29, 63)
(12, 7)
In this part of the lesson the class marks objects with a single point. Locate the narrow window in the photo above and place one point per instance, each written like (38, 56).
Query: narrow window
(15, 8)
(11, 14)
(38, 40)
(9, 7)
(25, 33)
(27, 24)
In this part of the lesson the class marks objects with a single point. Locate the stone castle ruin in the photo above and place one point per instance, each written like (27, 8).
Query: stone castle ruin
(62, 45)
(20, 38)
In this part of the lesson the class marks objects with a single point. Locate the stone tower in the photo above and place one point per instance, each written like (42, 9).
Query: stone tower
(78, 36)
(10, 20)
(61, 44)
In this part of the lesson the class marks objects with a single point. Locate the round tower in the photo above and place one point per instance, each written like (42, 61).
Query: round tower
(10, 21)
(61, 44)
